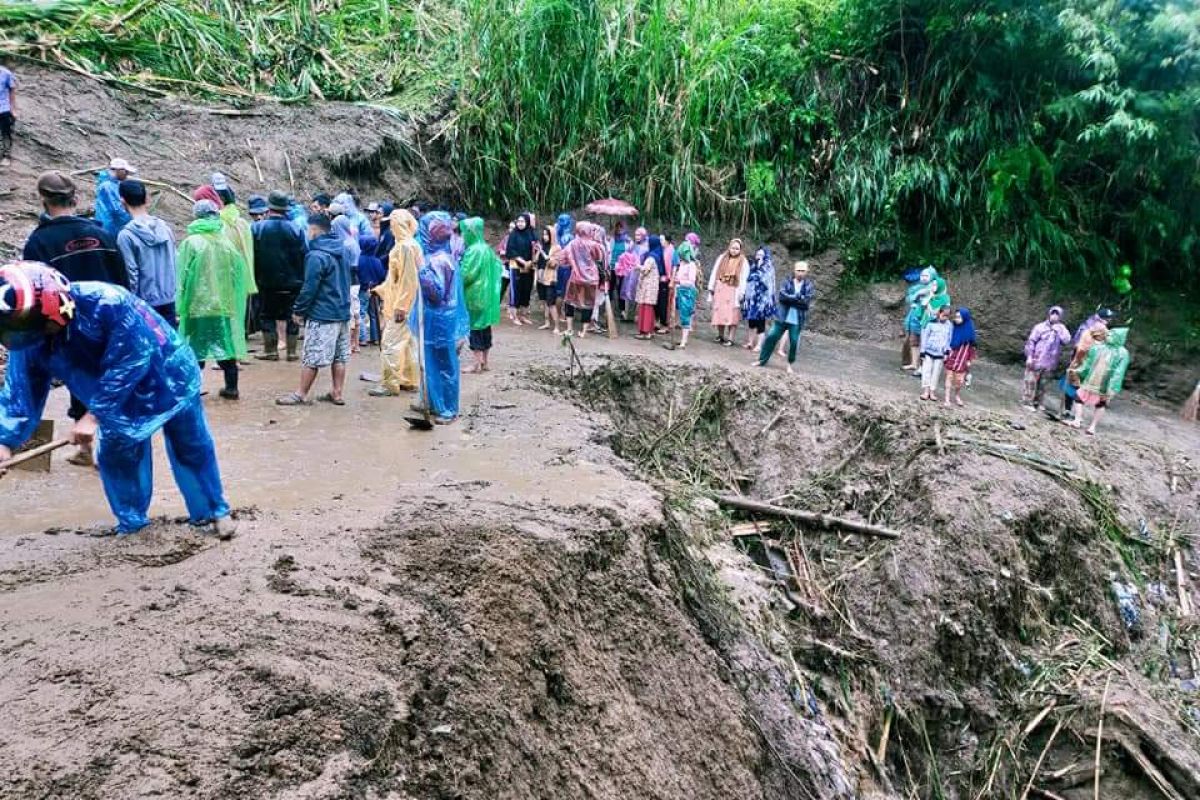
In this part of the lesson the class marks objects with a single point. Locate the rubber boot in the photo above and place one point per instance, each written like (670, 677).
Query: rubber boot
(270, 347)
(293, 344)
(230, 368)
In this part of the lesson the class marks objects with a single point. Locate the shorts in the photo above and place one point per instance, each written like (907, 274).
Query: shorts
(325, 343)
(757, 325)
(355, 304)
(481, 340)
(547, 293)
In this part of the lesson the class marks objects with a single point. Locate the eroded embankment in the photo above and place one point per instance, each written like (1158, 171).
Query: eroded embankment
(971, 657)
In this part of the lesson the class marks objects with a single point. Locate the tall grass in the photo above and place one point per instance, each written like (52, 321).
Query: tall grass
(287, 49)
(672, 103)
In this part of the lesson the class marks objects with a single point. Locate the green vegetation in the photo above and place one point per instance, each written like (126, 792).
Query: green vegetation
(1061, 135)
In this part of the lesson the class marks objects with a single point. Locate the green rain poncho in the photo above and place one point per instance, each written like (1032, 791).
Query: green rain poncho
(481, 271)
(237, 228)
(1103, 369)
(212, 292)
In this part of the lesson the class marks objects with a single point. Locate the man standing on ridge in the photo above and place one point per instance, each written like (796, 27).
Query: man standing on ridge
(8, 112)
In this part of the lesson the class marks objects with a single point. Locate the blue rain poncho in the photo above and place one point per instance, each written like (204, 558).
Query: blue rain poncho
(111, 215)
(445, 313)
(135, 374)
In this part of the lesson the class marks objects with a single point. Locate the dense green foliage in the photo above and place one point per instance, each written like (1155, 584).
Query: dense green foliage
(1059, 135)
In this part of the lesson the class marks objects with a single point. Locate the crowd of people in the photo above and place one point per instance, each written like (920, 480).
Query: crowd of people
(940, 338)
(127, 317)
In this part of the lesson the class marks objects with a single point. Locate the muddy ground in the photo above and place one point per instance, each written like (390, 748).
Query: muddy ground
(525, 605)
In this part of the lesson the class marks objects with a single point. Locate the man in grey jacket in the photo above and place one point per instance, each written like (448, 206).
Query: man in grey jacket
(148, 246)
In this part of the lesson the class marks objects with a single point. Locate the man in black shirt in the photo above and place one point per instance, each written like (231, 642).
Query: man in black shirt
(78, 248)
(279, 273)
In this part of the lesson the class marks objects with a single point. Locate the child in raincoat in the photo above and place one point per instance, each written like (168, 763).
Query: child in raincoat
(131, 369)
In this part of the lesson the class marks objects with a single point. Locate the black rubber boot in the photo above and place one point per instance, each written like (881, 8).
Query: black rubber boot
(293, 345)
(230, 368)
(270, 347)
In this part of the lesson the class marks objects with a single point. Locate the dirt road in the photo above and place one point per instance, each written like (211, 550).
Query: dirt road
(386, 586)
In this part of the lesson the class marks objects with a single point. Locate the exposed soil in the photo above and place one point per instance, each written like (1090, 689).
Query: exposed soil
(525, 605)
(543, 601)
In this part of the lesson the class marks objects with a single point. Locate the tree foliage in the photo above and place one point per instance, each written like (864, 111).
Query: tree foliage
(1059, 135)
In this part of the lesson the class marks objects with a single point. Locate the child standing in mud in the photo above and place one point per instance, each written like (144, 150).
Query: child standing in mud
(935, 346)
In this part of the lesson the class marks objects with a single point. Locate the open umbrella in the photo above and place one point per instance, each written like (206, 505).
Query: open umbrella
(611, 207)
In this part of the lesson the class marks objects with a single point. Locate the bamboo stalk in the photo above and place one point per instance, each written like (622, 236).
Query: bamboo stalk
(821, 521)
(1100, 735)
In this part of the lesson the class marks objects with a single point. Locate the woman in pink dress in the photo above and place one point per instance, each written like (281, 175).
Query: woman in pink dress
(724, 287)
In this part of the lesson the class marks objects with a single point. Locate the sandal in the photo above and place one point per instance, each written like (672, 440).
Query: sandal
(329, 398)
(293, 399)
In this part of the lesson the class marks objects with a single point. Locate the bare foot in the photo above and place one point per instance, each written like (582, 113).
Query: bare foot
(790, 370)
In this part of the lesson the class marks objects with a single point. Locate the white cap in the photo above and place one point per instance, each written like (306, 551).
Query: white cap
(219, 182)
(120, 163)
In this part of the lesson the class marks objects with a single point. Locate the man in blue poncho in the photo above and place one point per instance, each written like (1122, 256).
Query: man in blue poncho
(133, 372)
(110, 213)
(444, 313)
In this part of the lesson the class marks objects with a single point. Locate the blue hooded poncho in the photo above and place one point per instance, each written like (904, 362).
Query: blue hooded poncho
(445, 312)
(564, 229)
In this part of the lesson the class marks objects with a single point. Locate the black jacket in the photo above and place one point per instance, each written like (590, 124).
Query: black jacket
(78, 248)
(278, 255)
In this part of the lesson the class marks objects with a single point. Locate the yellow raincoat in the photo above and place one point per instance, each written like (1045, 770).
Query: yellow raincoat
(398, 293)
(237, 228)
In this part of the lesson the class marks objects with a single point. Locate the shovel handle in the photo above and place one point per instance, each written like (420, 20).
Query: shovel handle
(29, 455)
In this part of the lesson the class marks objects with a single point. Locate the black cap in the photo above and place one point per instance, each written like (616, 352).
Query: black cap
(133, 192)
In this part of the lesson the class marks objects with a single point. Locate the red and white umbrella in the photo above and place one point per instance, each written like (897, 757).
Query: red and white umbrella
(611, 207)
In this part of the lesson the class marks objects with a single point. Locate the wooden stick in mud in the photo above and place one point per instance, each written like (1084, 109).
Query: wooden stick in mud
(1100, 734)
(1185, 605)
(288, 161)
(823, 521)
(257, 168)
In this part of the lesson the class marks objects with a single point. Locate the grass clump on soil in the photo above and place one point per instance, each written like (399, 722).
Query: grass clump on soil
(291, 50)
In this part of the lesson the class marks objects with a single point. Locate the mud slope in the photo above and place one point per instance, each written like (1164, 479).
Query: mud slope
(986, 639)
(71, 123)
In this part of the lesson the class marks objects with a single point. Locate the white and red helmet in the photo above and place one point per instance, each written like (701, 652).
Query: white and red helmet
(31, 294)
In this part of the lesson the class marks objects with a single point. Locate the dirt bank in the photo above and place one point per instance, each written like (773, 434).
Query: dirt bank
(529, 605)
(71, 123)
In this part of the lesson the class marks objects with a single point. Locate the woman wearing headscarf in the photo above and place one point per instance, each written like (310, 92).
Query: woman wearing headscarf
(584, 254)
(547, 278)
(917, 296)
(1043, 349)
(685, 279)
(398, 296)
(630, 279)
(725, 287)
(445, 315)
(649, 288)
(212, 294)
(662, 312)
(481, 271)
(693, 238)
(1094, 331)
(518, 253)
(347, 231)
(962, 354)
(1102, 374)
(564, 229)
(758, 297)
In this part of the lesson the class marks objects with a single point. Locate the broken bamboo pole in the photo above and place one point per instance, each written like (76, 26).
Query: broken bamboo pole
(822, 521)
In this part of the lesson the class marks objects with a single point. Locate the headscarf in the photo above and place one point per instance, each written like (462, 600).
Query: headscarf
(520, 242)
(207, 192)
(693, 239)
(1054, 310)
(433, 233)
(686, 252)
(585, 253)
(639, 236)
(964, 332)
(564, 229)
(729, 269)
(656, 252)
(345, 228)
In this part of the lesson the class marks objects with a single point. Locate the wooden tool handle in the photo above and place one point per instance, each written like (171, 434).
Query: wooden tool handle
(28, 455)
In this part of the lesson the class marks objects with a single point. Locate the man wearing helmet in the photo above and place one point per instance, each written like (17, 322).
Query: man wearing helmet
(133, 372)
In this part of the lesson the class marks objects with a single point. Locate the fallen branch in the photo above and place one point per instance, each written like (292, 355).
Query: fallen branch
(257, 168)
(821, 521)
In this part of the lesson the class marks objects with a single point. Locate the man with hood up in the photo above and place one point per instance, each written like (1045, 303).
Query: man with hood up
(110, 213)
(148, 247)
(345, 201)
(324, 307)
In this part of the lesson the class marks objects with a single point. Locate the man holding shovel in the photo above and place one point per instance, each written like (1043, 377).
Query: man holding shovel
(130, 368)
